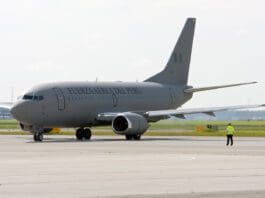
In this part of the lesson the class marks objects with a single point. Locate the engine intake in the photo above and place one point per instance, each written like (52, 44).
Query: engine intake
(129, 123)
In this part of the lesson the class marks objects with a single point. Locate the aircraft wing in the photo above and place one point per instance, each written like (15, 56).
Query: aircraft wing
(108, 116)
(180, 113)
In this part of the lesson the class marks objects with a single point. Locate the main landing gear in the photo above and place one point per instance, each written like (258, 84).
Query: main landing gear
(82, 133)
(133, 137)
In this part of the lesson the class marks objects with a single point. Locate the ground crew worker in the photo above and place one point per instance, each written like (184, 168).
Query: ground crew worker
(229, 134)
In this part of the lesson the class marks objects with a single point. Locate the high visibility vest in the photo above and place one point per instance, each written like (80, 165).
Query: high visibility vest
(230, 130)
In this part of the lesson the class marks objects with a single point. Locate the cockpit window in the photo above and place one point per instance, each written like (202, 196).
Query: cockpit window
(31, 97)
(27, 97)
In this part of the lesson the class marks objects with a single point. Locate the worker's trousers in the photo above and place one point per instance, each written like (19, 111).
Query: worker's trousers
(229, 138)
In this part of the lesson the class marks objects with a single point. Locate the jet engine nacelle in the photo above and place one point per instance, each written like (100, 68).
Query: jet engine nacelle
(129, 124)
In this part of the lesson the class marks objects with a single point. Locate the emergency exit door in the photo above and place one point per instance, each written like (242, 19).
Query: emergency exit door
(60, 98)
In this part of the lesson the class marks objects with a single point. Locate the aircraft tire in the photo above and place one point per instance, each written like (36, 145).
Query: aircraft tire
(79, 133)
(87, 134)
(38, 137)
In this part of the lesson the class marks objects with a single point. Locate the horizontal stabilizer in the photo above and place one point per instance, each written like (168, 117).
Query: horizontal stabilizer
(192, 90)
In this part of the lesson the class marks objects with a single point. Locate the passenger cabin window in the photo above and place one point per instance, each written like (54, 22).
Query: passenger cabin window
(31, 97)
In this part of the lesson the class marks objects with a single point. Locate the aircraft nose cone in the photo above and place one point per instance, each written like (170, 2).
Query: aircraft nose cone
(18, 111)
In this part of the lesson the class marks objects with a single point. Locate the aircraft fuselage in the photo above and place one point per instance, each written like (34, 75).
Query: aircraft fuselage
(77, 104)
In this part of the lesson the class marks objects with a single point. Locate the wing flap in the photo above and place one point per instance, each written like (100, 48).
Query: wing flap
(181, 116)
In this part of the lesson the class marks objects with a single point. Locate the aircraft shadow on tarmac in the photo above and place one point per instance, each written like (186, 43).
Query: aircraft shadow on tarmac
(145, 139)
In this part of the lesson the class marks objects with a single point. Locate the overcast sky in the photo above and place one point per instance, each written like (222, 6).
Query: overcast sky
(52, 40)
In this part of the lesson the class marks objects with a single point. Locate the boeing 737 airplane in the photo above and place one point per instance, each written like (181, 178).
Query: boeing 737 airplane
(127, 107)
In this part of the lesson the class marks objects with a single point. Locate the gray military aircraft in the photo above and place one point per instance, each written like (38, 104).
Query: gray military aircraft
(127, 107)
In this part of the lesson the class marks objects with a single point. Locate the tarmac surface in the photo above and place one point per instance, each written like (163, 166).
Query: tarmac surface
(112, 167)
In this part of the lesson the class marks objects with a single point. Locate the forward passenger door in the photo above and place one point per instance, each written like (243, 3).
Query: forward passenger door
(60, 98)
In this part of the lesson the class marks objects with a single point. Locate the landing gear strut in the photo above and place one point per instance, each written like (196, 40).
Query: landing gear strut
(133, 137)
(37, 133)
(82, 133)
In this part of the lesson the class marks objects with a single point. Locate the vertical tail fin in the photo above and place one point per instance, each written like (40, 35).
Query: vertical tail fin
(177, 68)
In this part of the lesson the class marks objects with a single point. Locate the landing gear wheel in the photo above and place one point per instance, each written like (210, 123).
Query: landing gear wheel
(38, 137)
(87, 134)
(79, 134)
(83, 134)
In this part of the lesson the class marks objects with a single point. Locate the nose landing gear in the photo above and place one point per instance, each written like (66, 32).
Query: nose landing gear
(38, 136)
(37, 133)
(82, 133)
